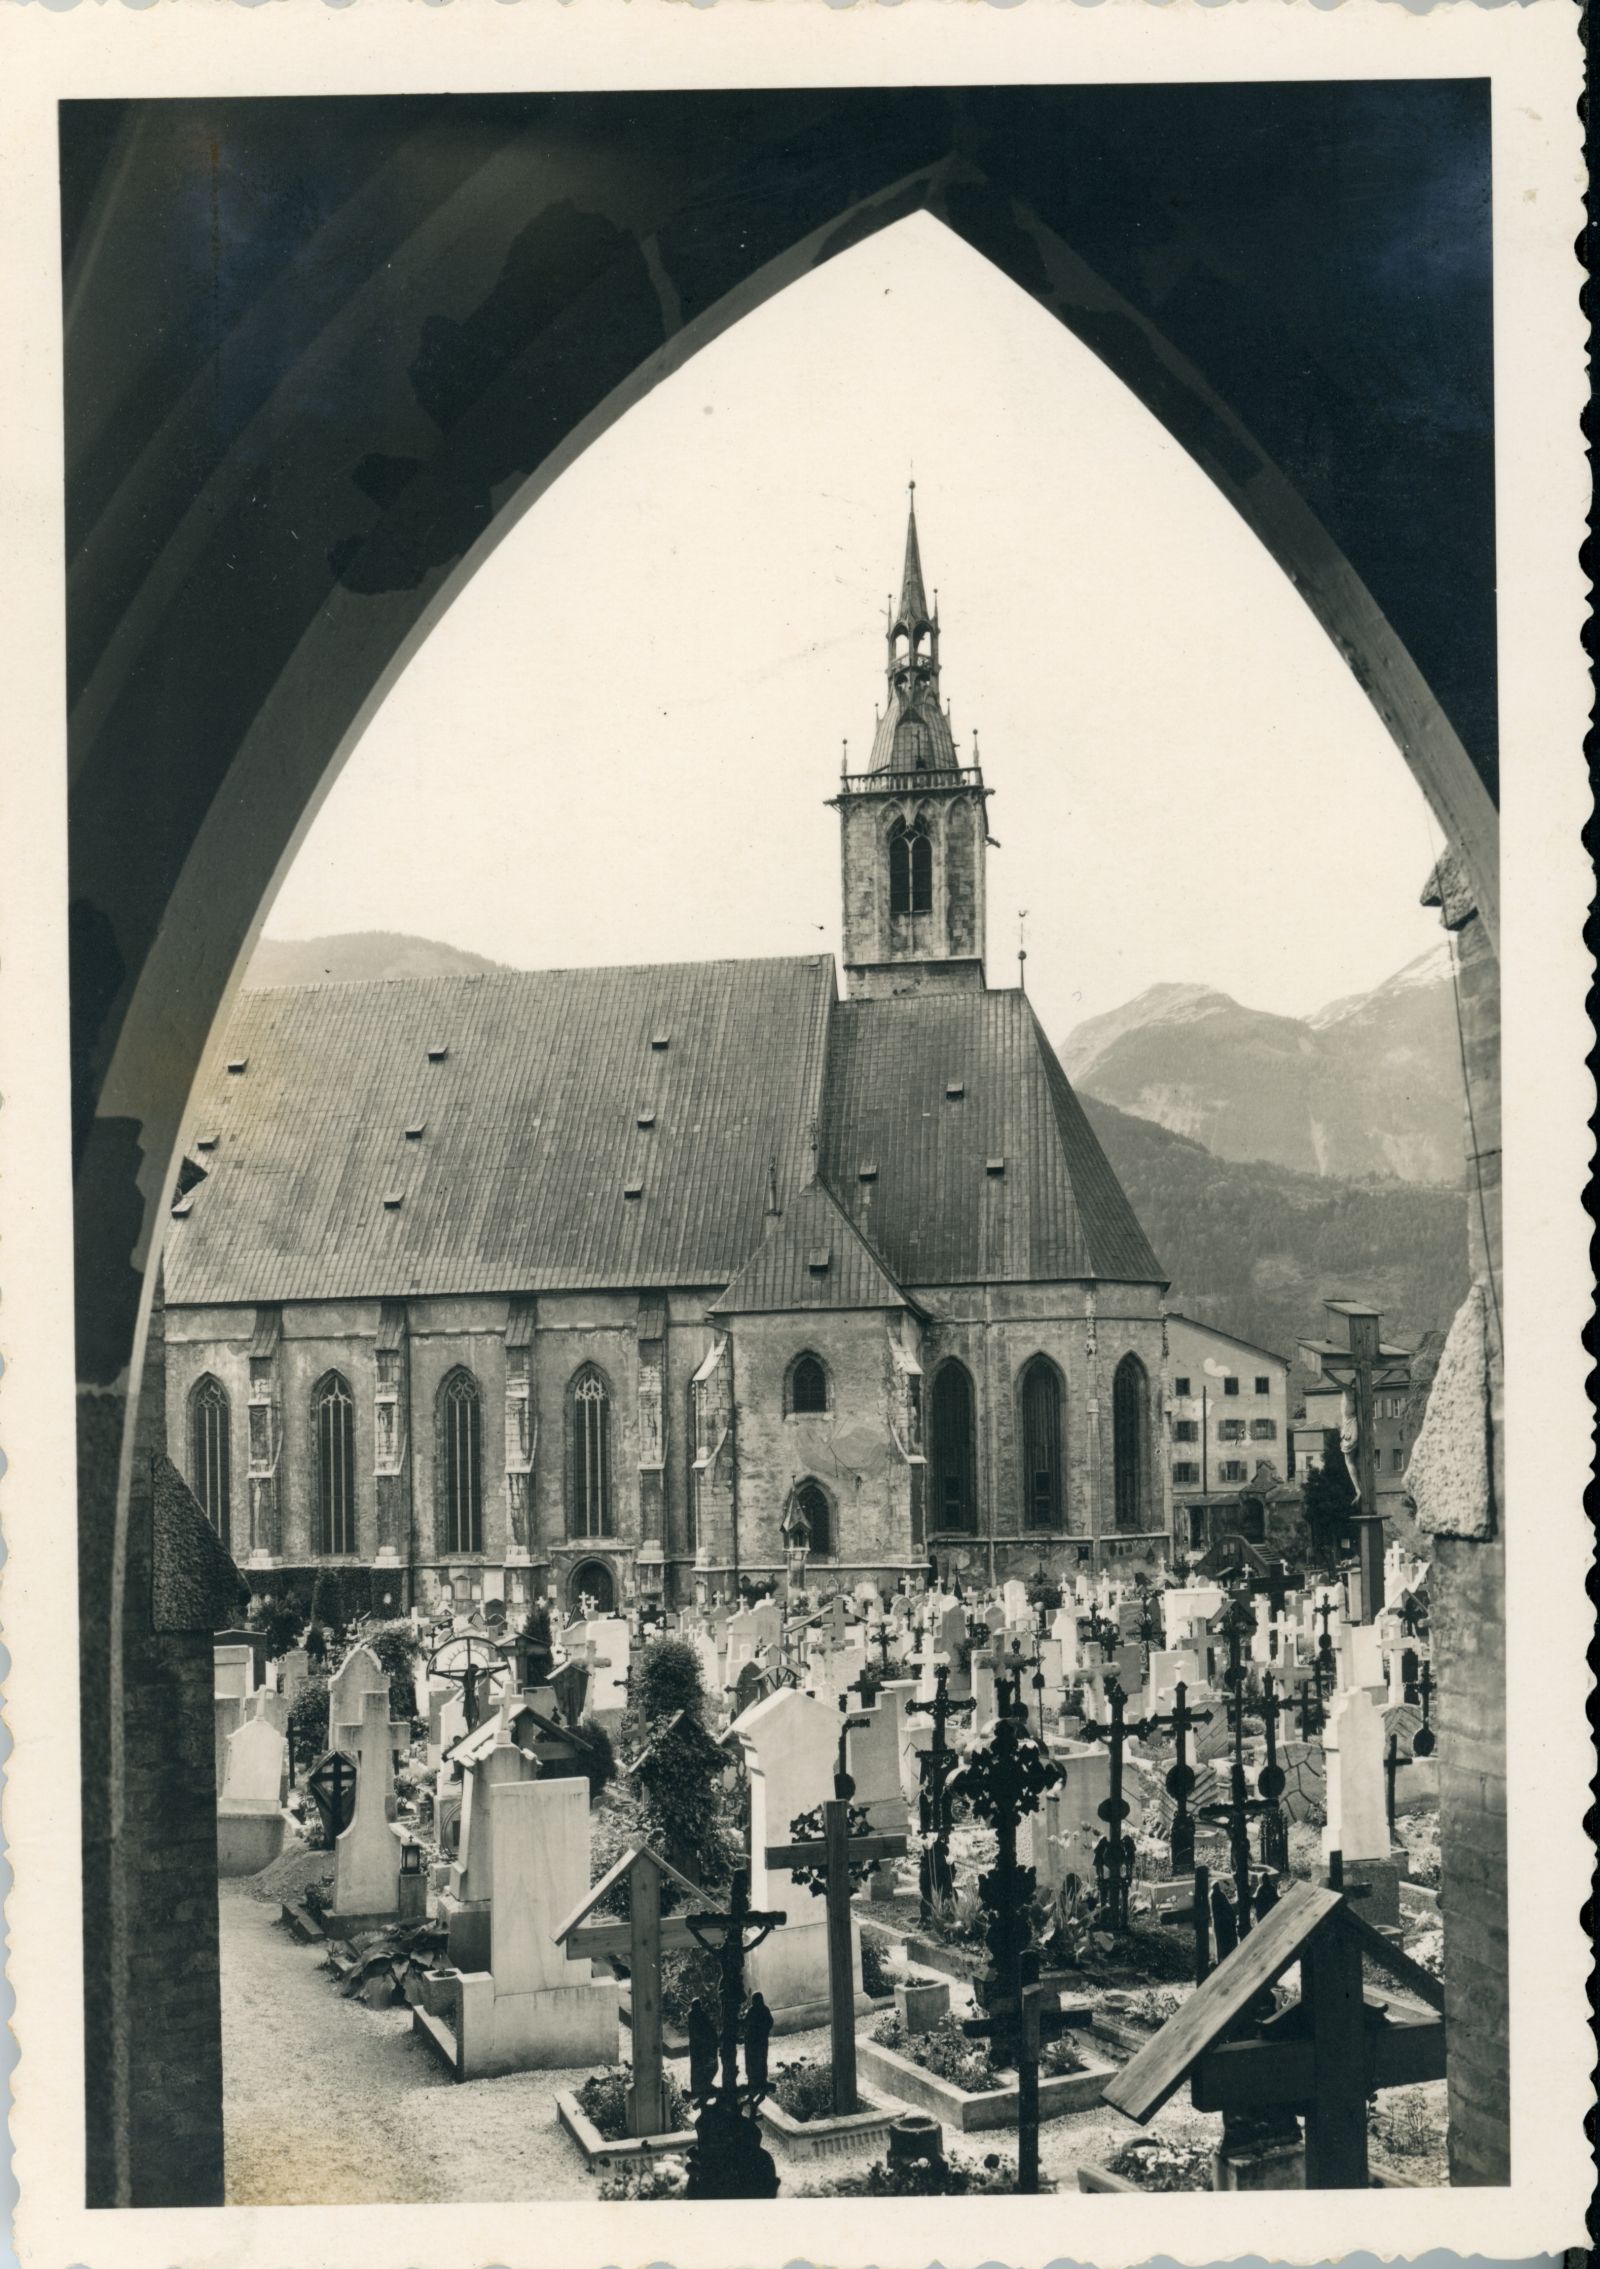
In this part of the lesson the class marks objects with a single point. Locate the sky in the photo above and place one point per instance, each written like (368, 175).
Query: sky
(617, 743)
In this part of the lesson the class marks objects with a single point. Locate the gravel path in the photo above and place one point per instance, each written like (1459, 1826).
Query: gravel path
(330, 2103)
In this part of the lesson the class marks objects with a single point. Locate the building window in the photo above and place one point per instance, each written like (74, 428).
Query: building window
(1230, 1386)
(1231, 1469)
(1186, 1430)
(806, 1389)
(1041, 1444)
(461, 1462)
(952, 1448)
(589, 1455)
(1263, 1386)
(1397, 1459)
(910, 870)
(334, 1425)
(1129, 1408)
(810, 1504)
(1180, 1386)
(1263, 1429)
(210, 1453)
(1185, 1474)
(1230, 1429)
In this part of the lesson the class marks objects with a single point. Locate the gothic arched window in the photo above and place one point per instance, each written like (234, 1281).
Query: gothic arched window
(1130, 1404)
(1041, 1444)
(589, 1454)
(210, 1452)
(811, 1503)
(952, 1446)
(460, 1437)
(333, 1421)
(910, 869)
(807, 1385)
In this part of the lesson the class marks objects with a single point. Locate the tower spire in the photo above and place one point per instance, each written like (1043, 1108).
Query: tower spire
(913, 615)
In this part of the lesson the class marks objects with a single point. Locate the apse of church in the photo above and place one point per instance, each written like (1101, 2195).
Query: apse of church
(650, 1276)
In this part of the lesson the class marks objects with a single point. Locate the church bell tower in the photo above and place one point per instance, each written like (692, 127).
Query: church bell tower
(912, 826)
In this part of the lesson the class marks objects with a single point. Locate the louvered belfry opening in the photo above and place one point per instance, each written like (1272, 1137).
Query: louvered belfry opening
(954, 1446)
(1130, 1442)
(1041, 1442)
(461, 1462)
(333, 1413)
(210, 1453)
(589, 1455)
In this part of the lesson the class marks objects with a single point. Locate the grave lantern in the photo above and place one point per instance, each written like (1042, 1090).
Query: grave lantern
(410, 1859)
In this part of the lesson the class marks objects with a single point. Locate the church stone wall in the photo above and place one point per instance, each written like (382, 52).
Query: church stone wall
(849, 1448)
(443, 1336)
(321, 1336)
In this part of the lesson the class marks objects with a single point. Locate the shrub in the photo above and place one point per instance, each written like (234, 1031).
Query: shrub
(805, 2090)
(1157, 2165)
(683, 1809)
(308, 1719)
(669, 1679)
(875, 1977)
(689, 1974)
(662, 2178)
(280, 1617)
(952, 2177)
(944, 2050)
(396, 1647)
(603, 2098)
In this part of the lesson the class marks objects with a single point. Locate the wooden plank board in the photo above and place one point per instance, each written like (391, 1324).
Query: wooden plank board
(613, 1875)
(1385, 1955)
(811, 1853)
(1148, 2079)
(1281, 2074)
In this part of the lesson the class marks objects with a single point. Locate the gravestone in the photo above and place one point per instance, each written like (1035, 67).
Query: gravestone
(250, 1818)
(360, 1674)
(532, 2007)
(608, 1671)
(464, 1904)
(1170, 1667)
(233, 1670)
(366, 1858)
(1358, 1815)
(791, 1746)
(294, 1668)
(872, 1759)
(1070, 1822)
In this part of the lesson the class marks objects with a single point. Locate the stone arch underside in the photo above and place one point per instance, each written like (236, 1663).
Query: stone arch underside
(247, 584)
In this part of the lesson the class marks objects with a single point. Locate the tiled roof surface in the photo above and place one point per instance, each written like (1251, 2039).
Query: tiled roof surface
(1004, 1181)
(530, 1131)
(810, 1258)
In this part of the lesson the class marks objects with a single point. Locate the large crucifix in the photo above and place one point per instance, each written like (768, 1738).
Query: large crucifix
(935, 1765)
(831, 1841)
(727, 2159)
(1180, 1721)
(1241, 1808)
(469, 1673)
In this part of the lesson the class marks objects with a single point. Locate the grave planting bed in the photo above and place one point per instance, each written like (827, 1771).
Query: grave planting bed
(832, 2135)
(972, 2110)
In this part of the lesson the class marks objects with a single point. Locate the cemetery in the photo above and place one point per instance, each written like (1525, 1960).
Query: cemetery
(1120, 1885)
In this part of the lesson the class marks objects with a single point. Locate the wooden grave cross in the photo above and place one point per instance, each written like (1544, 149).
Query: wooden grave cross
(1321, 2058)
(1025, 2022)
(829, 1843)
(641, 1941)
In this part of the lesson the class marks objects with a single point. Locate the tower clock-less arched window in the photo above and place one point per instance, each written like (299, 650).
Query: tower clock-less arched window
(589, 1454)
(460, 1427)
(910, 869)
(1041, 1444)
(952, 1449)
(1130, 1404)
(210, 1452)
(811, 1503)
(333, 1416)
(808, 1384)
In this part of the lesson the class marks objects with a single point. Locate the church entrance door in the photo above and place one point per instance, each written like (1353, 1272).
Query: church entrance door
(594, 1579)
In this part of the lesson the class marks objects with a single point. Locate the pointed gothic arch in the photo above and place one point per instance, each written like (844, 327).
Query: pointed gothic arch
(807, 1386)
(458, 1433)
(211, 1453)
(1130, 1444)
(911, 864)
(333, 1427)
(814, 1505)
(952, 1451)
(589, 1497)
(1041, 1399)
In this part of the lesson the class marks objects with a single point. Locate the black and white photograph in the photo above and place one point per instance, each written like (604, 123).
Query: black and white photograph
(794, 1033)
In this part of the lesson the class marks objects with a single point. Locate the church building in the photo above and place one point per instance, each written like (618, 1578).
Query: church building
(574, 1280)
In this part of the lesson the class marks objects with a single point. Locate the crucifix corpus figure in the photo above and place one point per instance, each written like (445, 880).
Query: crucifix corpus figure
(727, 2159)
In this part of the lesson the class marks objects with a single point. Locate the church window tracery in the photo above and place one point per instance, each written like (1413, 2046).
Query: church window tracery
(333, 1415)
(1041, 1444)
(460, 1435)
(910, 869)
(806, 1388)
(589, 1454)
(210, 1452)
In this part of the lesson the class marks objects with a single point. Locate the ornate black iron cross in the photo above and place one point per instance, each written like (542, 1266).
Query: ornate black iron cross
(727, 2159)
(935, 1765)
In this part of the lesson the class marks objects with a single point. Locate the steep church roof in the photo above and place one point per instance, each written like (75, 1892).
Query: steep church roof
(957, 1147)
(537, 1102)
(811, 1257)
